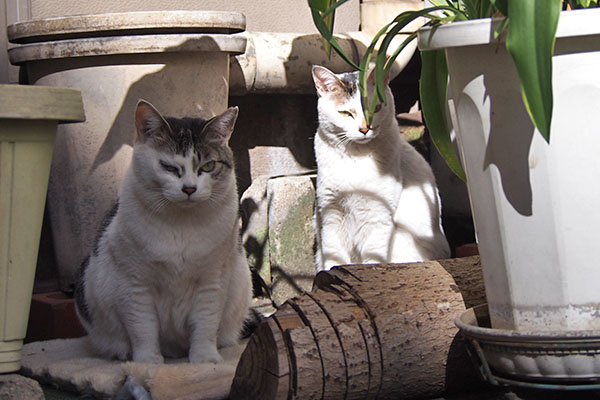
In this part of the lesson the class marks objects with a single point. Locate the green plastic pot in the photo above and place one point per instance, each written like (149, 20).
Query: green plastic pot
(28, 120)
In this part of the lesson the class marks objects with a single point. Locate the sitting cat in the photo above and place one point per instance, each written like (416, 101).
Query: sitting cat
(168, 276)
(377, 200)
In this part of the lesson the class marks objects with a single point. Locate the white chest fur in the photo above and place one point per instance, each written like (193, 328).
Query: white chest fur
(342, 176)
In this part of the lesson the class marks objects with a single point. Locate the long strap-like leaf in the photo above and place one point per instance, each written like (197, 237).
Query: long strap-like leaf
(323, 12)
(530, 41)
(433, 89)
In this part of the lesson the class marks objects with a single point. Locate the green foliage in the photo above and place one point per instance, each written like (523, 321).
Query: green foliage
(433, 87)
(574, 4)
(530, 25)
(323, 13)
(530, 42)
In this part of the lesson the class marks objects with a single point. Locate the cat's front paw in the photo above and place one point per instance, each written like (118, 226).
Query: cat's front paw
(205, 356)
(147, 357)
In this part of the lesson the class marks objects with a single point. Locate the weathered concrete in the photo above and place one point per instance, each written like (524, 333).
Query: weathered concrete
(17, 387)
(273, 136)
(278, 233)
(291, 235)
(255, 227)
(126, 23)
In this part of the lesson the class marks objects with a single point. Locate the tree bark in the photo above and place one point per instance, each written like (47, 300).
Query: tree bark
(367, 332)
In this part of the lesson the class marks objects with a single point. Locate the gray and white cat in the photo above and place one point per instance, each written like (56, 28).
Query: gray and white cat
(377, 200)
(168, 276)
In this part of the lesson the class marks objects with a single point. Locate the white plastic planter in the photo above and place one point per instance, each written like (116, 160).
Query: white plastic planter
(28, 120)
(535, 205)
(177, 60)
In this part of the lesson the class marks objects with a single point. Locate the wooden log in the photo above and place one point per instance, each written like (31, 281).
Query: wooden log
(266, 365)
(367, 332)
(333, 368)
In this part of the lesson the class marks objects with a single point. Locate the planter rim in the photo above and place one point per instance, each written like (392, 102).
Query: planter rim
(562, 360)
(142, 44)
(126, 23)
(468, 322)
(481, 31)
(23, 102)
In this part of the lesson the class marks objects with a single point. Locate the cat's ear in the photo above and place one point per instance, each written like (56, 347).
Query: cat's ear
(326, 82)
(147, 120)
(220, 128)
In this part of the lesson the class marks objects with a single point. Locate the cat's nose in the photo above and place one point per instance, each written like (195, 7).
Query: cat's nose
(364, 131)
(189, 190)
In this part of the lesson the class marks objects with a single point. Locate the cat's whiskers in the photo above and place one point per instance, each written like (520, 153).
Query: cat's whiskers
(343, 141)
(217, 197)
(156, 200)
(158, 205)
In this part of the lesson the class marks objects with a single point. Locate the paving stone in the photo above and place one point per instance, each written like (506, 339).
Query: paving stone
(17, 387)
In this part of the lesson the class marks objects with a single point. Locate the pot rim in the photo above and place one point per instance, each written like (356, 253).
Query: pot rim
(127, 45)
(471, 322)
(481, 31)
(126, 23)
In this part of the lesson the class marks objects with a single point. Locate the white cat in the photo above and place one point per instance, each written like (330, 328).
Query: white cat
(168, 276)
(377, 200)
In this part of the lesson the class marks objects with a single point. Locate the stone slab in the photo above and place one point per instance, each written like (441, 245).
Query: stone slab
(70, 364)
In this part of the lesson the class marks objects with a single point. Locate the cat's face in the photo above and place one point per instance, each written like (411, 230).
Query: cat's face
(183, 161)
(340, 108)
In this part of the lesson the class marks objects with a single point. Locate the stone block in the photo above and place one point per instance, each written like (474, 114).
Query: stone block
(278, 233)
(291, 235)
(254, 209)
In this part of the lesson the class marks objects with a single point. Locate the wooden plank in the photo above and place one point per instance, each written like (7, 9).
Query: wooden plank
(41, 103)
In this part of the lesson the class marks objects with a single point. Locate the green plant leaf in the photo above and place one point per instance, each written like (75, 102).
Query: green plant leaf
(330, 39)
(319, 5)
(501, 28)
(530, 41)
(383, 64)
(479, 8)
(501, 5)
(363, 77)
(575, 4)
(323, 14)
(433, 90)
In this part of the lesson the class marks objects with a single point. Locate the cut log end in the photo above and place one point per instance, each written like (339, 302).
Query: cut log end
(263, 371)
(365, 332)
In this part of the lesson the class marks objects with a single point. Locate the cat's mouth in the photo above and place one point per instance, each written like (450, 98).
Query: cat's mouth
(190, 202)
(362, 140)
(367, 136)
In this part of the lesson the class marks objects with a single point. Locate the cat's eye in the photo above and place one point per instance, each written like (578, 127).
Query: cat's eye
(208, 167)
(170, 168)
(346, 114)
(378, 107)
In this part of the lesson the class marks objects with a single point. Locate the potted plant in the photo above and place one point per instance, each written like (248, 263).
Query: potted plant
(28, 120)
(530, 177)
